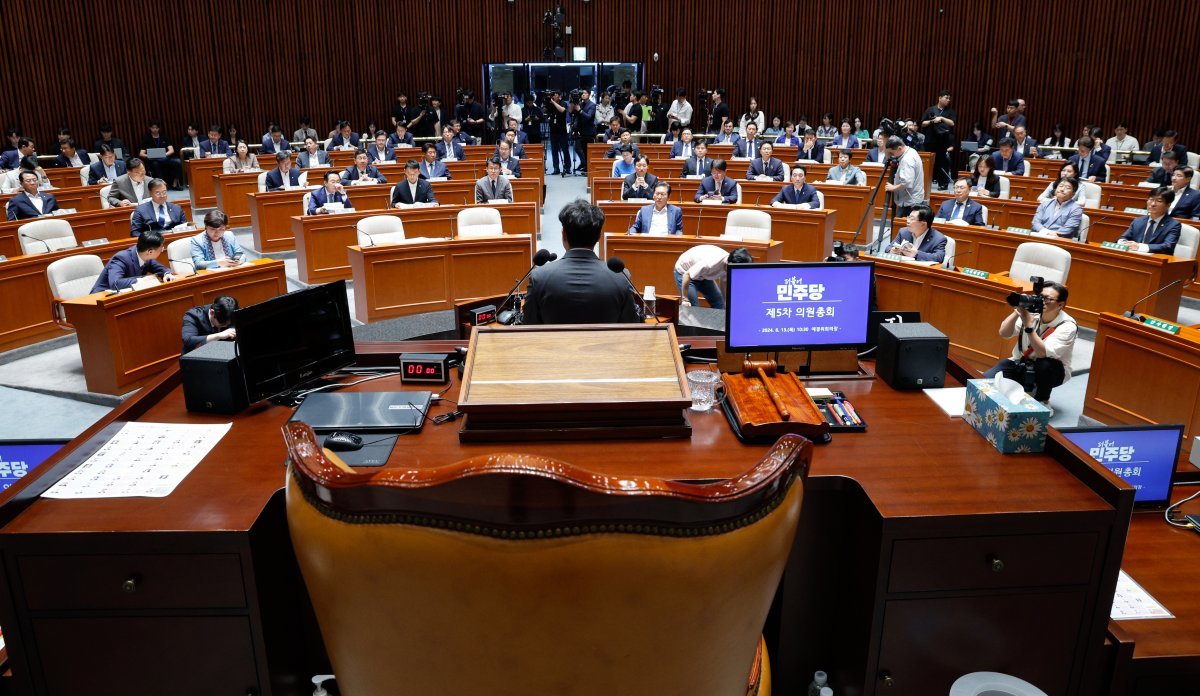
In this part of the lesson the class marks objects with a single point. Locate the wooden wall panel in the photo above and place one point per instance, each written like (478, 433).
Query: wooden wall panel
(252, 61)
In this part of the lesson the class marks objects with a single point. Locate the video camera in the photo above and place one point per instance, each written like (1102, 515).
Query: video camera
(704, 95)
(656, 92)
(575, 95)
(462, 93)
(891, 127)
(423, 99)
(1033, 303)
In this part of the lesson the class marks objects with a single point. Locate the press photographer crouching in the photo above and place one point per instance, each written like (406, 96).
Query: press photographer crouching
(1045, 335)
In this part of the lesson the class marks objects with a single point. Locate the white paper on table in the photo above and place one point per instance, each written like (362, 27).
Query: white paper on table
(1131, 601)
(146, 460)
(952, 400)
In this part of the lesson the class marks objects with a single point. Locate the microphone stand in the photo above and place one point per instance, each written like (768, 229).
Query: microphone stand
(43, 242)
(1132, 313)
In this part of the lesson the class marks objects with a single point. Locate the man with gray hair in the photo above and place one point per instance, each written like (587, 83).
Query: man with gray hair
(908, 180)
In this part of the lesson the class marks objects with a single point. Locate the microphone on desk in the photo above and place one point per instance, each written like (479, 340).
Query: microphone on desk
(616, 265)
(452, 218)
(957, 256)
(512, 316)
(43, 242)
(1132, 313)
(699, 218)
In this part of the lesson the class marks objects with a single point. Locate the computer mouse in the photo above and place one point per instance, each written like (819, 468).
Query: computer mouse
(342, 441)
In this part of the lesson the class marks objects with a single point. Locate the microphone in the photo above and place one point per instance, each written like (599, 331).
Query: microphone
(452, 219)
(1132, 313)
(629, 227)
(174, 261)
(616, 265)
(511, 316)
(958, 256)
(42, 241)
(368, 236)
(699, 218)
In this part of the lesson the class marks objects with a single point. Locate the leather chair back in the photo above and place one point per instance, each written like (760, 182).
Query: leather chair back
(1189, 242)
(73, 276)
(179, 253)
(379, 229)
(44, 236)
(480, 222)
(1039, 259)
(748, 224)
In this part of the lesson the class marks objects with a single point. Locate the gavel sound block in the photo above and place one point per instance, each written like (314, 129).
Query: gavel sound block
(767, 403)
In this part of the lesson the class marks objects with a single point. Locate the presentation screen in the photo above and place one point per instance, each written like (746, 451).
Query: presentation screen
(797, 306)
(19, 457)
(1144, 456)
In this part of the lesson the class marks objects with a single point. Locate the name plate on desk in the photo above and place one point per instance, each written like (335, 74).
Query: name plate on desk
(1112, 245)
(1162, 325)
(95, 242)
(975, 272)
(891, 257)
(3, 258)
(1020, 230)
(1139, 211)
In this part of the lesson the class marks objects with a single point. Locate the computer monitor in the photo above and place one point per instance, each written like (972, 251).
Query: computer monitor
(1142, 455)
(19, 457)
(293, 339)
(797, 306)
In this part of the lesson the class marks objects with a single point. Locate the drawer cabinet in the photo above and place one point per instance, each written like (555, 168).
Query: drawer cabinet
(133, 581)
(984, 562)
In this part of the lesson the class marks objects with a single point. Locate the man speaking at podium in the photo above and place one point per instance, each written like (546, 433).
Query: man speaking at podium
(579, 288)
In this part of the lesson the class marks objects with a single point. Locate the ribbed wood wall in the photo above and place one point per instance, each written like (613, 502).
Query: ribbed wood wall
(253, 61)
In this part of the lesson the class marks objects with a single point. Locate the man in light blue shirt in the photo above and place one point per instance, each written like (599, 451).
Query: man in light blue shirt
(1059, 216)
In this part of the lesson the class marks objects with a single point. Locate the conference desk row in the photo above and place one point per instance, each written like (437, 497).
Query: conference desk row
(1113, 196)
(87, 226)
(80, 198)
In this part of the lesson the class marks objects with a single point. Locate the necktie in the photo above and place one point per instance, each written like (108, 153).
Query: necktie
(162, 216)
(1083, 167)
(1149, 233)
(956, 214)
(494, 193)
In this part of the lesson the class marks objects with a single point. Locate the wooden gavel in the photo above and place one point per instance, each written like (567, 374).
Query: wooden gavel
(764, 369)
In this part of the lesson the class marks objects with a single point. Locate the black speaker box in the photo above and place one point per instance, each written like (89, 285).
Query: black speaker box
(911, 356)
(212, 379)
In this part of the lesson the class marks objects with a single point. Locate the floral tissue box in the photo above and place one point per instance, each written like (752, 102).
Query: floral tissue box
(1010, 419)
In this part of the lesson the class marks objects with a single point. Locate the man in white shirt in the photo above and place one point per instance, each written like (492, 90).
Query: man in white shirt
(908, 188)
(129, 188)
(1121, 142)
(1045, 342)
(681, 110)
(698, 269)
(659, 217)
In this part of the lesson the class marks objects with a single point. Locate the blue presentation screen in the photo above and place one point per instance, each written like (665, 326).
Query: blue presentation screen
(1145, 457)
(797, 306)
(19, 458)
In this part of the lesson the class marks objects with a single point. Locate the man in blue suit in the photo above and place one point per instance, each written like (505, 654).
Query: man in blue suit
(962, 206)
(274, 142)
(430, 167)
(766, 167)
(1059, 216)
(510, 136)
(509, 166)
(918, 240)
(1089, 164)
(380, 152)
(1007, 159)
(413, 189)
(156, 214)
(345, 139)
(748, 147)
(1187, 199)
(127, 266)
(283, 174)
(811, 148)
(106, 168)
(11, 159)
(684, 147)
(362, 172)
(400, 137)
(717, 186)
(659, 218)
(799, 192)
(215, 146)
(331, 192)
(30, 203)
(70, 155)
(1156, 232)
(727, 136)
(447, 148)
(698, 164)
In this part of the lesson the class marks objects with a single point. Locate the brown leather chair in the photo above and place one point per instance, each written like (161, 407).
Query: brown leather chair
(518, 574)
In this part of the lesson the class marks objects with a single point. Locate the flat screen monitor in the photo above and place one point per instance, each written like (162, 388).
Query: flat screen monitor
(293, 339)
(1143, 455)
(19, 457)
(797, 306)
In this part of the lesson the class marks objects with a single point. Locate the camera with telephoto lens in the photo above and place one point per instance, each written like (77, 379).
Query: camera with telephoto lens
(575, 95)
(498, 100)
(704, 95)
(891, 127)
(423, 99)
(1033, 302)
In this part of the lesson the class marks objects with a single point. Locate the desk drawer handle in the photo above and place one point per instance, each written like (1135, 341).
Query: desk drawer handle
(131, 584)
(887, 679)
(996, 564)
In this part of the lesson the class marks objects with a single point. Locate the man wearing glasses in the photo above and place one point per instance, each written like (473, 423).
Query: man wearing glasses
(1041, 358)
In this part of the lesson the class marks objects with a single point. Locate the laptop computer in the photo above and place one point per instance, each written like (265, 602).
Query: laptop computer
(1143, 455)
(364, 412)
(156, 153)
(969, 146)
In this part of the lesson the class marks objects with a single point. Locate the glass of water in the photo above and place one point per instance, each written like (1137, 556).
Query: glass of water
(703, 385)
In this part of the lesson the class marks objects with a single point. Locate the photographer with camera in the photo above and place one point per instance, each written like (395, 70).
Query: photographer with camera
(557, 115)
(1045, 333)
(531, 123)
(470, 114)
(908, 178)
(584, 111)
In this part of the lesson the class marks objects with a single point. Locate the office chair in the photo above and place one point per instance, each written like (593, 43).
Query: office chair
(1189, 242)
(1039, 259)
(379, 229)
(951, 248)
(104, 191)
(83, 175)
(512, 574)
(69, 278)
(480, 222)
(179, 253)
(748, 224)
(44, 236)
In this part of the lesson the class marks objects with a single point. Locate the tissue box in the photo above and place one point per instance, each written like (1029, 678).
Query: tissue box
(1011, 426)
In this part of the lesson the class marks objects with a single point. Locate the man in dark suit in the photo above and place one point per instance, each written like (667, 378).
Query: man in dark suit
(659, 218)
(30, 202)
(510, 136)
(1089, 164)
(493, 186)
(683, 148)
(127, 266)
(698, 164)
(765, 167)
(70, 155)
(283, 174)
(509, 166)
(331, 192)
(1156, 232)
(1169, 144)
(401, 138)
(717, 186)
(641, 183)
(215, 146)
(156, 214)
(274, 142)
(208, 323)
(106, 168)
(362, 172)
(962, 206)
(11, 159)
(1162, 175)
(413, 189)
(312, 155)
(344, 139)
(918, 240)
(878, 153)
(585, 126)
(799, 192)
(1007, 159)
(447, 148)
(430, 167)
(579, 288)
(1187, 199)
(811, 148)
(727, 136)
(625, 140)
(748, 147)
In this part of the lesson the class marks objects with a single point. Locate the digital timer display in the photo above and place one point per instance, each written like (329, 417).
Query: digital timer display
(483, 315)
(424, 367)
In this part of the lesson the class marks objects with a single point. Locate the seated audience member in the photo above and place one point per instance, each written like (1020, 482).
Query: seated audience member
(624, 166)
(1121, 141)
(774, 130)
(1186, 205)
(612, 134)
(1060, 216)
(984, 180)
(1090, 164)
(1066, 171)
(379, 152)
(727, 136)
(304, 131)
(826, 129)
(659, 218)
(190, 141)
(448, 150)
(157, 213)
(11, 159)
(10, 182)
(493, 186)
(71, 156)
(788, 138)
(716, 186)
(127, 266)
(983, 141)
(878, 153)
(516, 148)
(1097, 135)
(845, 173)
(215, 246)
(1156, 232)
(331, 192)
(1007, 159)
(509, 166)
(521, 138)
(579, 288)
(106, 168)
(961, 206)
(312, 155)
(107, 138)
(1058, 137)
(284, 174)
(918, 240)
(430, 167)
(765, 167)
(699, 164)
(626, 141)
(362, 173)
(274, 142)
(344, 139)
(461, 136)
(30, 202)
(401, 138)
(811, 148)
(641, 183)
(799, 193)
(130, 188)
(845, 137)
(685, 146)
(212, 322)
(413, 189)
(1169, 144)
(1162, 175)
(700, 270)
(1024, 145)
(233, 135)
(240, 161)
(1044, 344)
(748, 147)
(214, 146)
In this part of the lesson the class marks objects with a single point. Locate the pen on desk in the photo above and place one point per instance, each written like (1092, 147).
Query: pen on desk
(837, 419)
(850, 408)
(837, 407)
